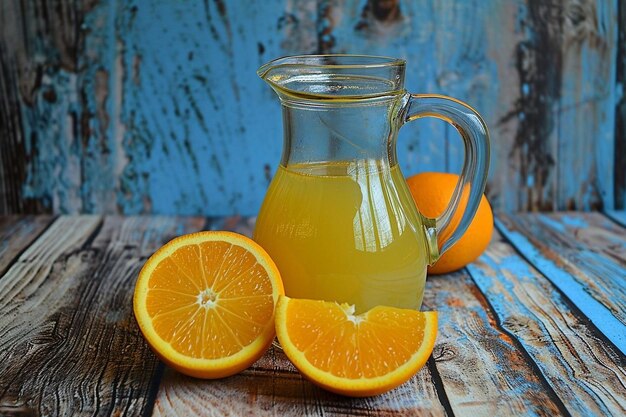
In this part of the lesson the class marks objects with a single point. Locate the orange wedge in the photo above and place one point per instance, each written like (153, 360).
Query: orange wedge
(205, 303)
(354, 355)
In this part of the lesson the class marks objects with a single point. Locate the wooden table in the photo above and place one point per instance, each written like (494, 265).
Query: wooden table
(535, 327)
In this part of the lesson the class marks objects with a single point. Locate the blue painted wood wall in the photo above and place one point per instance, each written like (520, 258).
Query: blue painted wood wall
(154, 106)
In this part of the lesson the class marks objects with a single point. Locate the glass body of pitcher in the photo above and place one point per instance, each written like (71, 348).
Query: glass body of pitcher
(338, 218)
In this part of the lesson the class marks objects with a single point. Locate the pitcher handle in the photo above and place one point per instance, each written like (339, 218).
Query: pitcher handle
(442, 232)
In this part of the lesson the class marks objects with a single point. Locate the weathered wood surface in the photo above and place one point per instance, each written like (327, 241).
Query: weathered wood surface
(155, 107)
(584, 256)
(617, 216)
(511, 341)
(587, 375)
(272, 386)
(480, 365)
(16, 234)
(69, 343)
(620, 113)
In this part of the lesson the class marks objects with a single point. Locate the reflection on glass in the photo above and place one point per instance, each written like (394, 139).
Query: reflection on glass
(345, 231)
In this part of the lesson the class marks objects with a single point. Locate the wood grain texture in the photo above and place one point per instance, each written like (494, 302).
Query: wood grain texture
(483, 370)
(584, 119)
(13, 153)
(511, 340)
(272, 386)
(69, 343)
(155, 107)
(18, 79)
(16, 234)
(49, 154)
(587, 374)
(584, 256)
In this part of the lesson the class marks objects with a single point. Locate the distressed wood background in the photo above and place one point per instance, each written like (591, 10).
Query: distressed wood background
(154, 106)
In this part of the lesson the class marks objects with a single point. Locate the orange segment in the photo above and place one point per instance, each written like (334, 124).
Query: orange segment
(205, 303)
(355, 355)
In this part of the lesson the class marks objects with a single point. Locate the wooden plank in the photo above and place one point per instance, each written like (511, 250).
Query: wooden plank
(16, 233)
(46, 127)
(273, 386)
(620, 113)
(587, 373)
(69, 343)
(585, 109)
(13, 164)
(35, 264)
(483, 370)
(584, 256)
(12, 161)
(618, 216)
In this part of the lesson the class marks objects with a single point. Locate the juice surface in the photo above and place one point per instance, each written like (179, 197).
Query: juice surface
(345, 232)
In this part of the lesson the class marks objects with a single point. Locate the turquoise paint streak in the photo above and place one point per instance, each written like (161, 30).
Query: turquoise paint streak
(52, 174)
(597, 313)
(71, 139)
(99, 150)
(201, 126)
(556, 225)
(71, 168)
(605, 146)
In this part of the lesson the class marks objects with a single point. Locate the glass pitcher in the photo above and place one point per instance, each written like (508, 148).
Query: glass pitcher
(338, 218)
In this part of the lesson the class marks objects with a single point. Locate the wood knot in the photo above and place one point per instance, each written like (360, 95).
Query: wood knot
(378, 16)
(385, 10)
(444, 352)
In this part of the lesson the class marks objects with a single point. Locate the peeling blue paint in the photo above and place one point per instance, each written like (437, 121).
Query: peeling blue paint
(597, 313)
(53, 175)
(159, 109)
(199, 144)
(513, 314)
(473, 327)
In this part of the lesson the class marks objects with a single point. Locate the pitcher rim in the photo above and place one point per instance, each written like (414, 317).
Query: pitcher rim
(387, 61)
(385, 73)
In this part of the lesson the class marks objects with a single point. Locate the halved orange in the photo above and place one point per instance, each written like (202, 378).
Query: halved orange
(205, 303)
(354, 355)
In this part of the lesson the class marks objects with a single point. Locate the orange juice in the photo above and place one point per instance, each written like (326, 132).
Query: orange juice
(346, 232)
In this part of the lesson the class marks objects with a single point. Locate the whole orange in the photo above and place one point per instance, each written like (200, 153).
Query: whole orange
(432, 192)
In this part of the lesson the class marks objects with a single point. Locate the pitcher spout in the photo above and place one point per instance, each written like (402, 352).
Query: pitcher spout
(265, 69)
